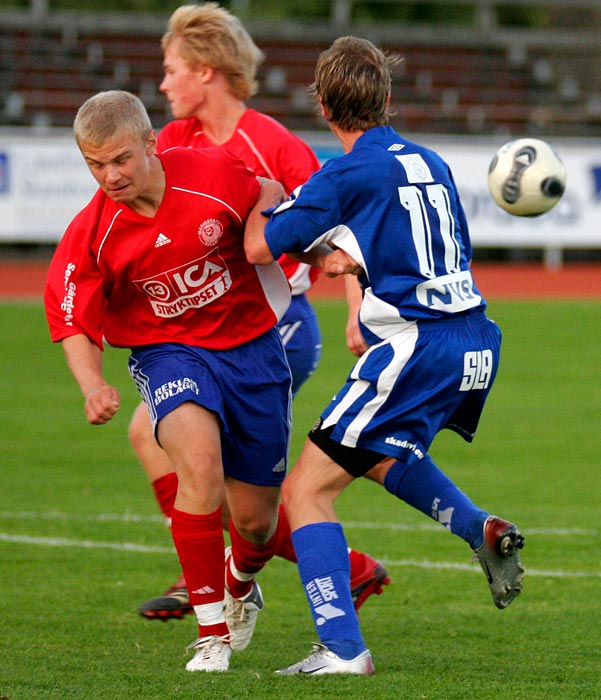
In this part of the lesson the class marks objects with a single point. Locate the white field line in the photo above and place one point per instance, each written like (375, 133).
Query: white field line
(401, 563)
(84, 544)
(145, 549)
(134, 518)
(79, 517)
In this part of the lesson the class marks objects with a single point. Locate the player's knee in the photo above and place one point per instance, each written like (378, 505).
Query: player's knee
(257, 528)
(139, 430)
(295, 490)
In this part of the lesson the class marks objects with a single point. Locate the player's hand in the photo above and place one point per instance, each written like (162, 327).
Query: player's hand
(340, 263)
(354, 338)
(101, 404)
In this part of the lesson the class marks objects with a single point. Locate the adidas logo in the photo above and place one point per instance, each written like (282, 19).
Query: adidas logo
(204, 590)
(280, 466)
(161, 240)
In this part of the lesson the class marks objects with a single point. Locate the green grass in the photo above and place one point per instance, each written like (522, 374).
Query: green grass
(72, 497)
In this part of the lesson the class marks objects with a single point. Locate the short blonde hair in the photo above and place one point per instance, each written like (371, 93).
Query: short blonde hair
(213, 37)
(353, 79)
(109, 112)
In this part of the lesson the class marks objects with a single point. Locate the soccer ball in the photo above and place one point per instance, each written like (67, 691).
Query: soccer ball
(526, 177)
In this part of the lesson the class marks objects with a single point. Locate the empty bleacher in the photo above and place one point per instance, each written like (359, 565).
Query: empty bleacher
(456, 84)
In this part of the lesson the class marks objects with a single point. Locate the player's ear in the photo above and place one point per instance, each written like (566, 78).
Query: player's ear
(324, 112)
(151, 143)
(204, 73)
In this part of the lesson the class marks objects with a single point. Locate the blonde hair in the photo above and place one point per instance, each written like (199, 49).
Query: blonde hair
(353, 79)
(213, 37)
(109, 112)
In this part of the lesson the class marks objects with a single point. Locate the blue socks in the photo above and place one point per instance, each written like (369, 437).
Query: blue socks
(421, 484)
(324, 568)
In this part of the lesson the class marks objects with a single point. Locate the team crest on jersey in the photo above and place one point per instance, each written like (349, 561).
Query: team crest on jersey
(210, 231)
(416, 168)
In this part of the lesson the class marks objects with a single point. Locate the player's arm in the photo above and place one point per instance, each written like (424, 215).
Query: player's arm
(84, 359)
(255, 246)
(332, 262)
(354, 296)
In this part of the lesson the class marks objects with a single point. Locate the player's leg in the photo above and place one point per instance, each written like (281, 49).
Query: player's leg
(174, 602)
(255, 452)
(422, 485)
(189, 424)
(191, 436)
(495, 541)
(254, 536)
(453, 366)
(308, 493)
(153, 458)
(301, 337)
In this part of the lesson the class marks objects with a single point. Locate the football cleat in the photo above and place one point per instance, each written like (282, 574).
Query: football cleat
(500, 560)
(212, 654)
(368, 581)
(322, 661)
(241, 613)
(241, 616)
(174, 603)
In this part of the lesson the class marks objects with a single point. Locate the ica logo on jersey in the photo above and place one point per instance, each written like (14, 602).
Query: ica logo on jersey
(192, 285)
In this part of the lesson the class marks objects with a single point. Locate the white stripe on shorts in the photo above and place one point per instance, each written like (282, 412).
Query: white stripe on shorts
(403, 346)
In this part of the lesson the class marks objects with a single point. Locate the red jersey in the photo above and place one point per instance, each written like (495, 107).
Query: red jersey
(180, 276)
(269, 150)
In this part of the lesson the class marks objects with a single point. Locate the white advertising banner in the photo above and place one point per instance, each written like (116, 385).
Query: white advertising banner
(44, 182)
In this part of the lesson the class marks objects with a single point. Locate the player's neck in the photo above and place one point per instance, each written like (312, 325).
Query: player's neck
(220, 119)
(346, 138)
(149, 200)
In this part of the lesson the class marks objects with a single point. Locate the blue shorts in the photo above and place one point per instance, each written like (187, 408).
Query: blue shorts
(301, 336)
(247, 387)
(403, 391)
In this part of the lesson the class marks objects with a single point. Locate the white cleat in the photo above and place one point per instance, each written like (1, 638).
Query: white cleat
(241, 616)
(322, 661)
(212, 654)
(241, 613)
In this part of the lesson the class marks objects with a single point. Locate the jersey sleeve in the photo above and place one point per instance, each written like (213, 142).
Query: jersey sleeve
(74, 289)
(305, 219)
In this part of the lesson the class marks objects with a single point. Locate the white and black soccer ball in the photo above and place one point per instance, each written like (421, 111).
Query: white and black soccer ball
(526, 177)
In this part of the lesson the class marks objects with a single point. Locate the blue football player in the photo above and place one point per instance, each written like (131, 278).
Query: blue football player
(392, 207)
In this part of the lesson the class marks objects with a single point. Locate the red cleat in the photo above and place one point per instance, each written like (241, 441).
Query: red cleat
(173, 604)
(368, 580)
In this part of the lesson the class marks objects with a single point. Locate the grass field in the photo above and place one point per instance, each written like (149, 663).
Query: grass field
(82, 544)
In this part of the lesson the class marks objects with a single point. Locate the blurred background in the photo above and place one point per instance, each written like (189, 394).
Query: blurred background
(476, 74)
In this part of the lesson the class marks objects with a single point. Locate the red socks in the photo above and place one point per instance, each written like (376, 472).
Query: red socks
(200, 545)
(247, 559)
(283, 546)
(165, 491)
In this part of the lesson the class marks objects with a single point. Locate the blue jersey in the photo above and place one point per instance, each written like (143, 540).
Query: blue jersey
(394, 207)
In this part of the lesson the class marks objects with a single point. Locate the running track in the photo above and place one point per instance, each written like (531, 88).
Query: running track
(25, 281)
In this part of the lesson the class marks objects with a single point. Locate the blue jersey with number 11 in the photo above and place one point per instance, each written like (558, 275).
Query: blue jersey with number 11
(394, 207)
